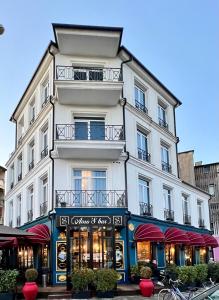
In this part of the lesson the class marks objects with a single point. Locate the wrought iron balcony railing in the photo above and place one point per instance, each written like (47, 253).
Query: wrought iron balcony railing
(201, 223)
(88, 74)
(91, 198)
(31, 165)
(146, 209)
(12, 185)
(169, 215)
(20, 140)
(163, 123)
(166, 167)
(43, 208)
(32, 120)
(187, 219)
(44, 153)
(30, 215)
(45, 100)
(141, 106)
(19, 221)
(19, 177)
(95, 132)
(142, 154)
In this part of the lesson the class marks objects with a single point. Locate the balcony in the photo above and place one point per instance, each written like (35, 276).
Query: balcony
(187, 219)
(43, 208)
(30, 215)
(88, 86)
(91, 142)
(169, 215)
(31, 165)
(91, 198)
(166, 167)
(142, 154)
(18, 221)
(146, 209)
(201, 223)
(141, 107)
(163, 123)
(44, 152)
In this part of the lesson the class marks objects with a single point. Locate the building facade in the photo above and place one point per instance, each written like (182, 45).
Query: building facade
(2, 193)
(95, 163)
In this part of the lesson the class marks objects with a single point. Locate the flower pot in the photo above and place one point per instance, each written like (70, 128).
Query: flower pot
(82, 295)
(107, 294)
(7, 296)
(30, 290)
(146, 287)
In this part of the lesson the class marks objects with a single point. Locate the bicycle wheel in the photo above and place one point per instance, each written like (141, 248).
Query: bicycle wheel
(170, 296)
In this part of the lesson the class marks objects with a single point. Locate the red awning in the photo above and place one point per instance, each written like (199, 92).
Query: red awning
(148, 232)
(210, 241)
(42, 234)
(195, 239)
(10, 242)
(176, 236)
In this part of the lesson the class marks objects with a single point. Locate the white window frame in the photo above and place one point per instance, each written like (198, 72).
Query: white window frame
(168, 198)
(44, 189)
(147, 190)
(45, 91)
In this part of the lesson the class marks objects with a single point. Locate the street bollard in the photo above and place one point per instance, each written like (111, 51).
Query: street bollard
(44, 280)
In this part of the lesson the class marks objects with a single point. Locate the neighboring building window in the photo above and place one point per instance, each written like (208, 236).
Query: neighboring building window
(31, 155)
(19, 167)
(168, 212)
(162, 116)
(206, 169)
(32, 111)
(90, 129)
(165, 160)
(20, 130)
(30, 204)
(186, 209)
(142, 144)
(44, 201)
(19, 210)
(144, 196)
(200, 213)
(12, 176)
(211, 189)
(45, 92)
(140, 99)
(10, 213)
(44, 151)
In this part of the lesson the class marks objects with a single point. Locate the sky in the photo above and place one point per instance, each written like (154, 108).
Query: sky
(177, 40)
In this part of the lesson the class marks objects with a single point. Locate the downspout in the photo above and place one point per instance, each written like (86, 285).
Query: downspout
(176, 144)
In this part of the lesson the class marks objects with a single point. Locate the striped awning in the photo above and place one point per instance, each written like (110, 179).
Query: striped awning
(41, 234)
(176, 236)
(8, 242)
(195, 239)
(148, 232)
(210, 241)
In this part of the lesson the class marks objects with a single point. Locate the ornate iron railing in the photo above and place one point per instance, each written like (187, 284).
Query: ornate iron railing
(88, 74)
(163, 123)
(142, 154)
(43, 208)
(91, 198)
(31, 165)
(166, 167)
(30, 215)
(20, 140)
(95, 132)
(187, 219)
(169, 215)
(141, 106)
(201, 223)
(146, 209)
(44, 153)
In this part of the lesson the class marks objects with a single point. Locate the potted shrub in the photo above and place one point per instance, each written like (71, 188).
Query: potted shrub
(135, 274)
(7, 284)
(30, 289)
(106, 281)
(81, 279)
(202, 273)
(192, 276)
(146, 285)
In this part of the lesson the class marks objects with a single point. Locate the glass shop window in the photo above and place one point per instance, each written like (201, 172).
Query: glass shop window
(144, 251)
(25, 257)
(202, 254)
(188, 255)
(45, 256)
(170, 252)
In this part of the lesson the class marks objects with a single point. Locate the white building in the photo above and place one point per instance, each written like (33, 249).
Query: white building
(96, 137)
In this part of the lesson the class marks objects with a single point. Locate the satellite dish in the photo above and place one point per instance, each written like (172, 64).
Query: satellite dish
(2, 29)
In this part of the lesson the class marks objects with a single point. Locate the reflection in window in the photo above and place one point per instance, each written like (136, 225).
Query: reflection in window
(144, 251)
(25, 257)
(188, 255)
(170, 252)
(202, 255)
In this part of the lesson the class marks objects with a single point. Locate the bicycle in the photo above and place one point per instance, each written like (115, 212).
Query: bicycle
(208, 284)
(174, 293)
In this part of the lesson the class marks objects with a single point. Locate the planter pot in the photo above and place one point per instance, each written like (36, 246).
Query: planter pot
(82, 295)
(108, 294)
(6, 296)
(146, 287)
(30, 290)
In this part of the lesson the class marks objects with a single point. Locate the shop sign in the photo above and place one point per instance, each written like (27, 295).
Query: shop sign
(63, 221)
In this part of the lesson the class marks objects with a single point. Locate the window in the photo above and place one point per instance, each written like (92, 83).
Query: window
(162, 118)
(200, 214)
(30, 204)
(44, 201)
(170, 253)
(140, 99)
(186, 209)
(20, 130)
(146, 251)
(165, 159)
(12, 176)
(84, 73)
(167, 196)
(44, 151)
(142, 144)
(206, 169)
(19, 210)
(89, 128)
(19, 167)
(211, 189)
(31, 155)
(45, 92)
(144, 196)
(32, 111)
(10, 213)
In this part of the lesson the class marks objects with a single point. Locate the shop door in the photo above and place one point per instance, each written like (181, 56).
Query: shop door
(91, 247)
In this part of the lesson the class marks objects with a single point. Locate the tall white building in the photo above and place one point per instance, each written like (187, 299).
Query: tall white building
(95, 162)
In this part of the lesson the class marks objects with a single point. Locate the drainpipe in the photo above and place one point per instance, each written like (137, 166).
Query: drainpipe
(174, 116)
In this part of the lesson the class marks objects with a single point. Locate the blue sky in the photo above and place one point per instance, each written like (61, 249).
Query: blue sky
(178, 41)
